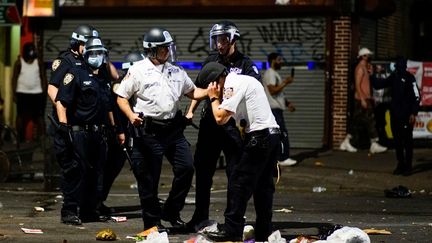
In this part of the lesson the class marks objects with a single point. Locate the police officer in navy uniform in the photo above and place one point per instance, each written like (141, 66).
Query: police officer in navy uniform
(67, 60)
(117, 147)
(84, 113)
(223, 37)
(156, 86)
(243, 98)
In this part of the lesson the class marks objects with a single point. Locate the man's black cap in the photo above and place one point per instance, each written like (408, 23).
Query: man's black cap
(209, 73)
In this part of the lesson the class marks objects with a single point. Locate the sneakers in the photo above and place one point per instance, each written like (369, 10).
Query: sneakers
(375, 148)
(346, 146)
(287, 162)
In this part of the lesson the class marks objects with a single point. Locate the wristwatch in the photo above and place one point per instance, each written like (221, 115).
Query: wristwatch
(213, 99)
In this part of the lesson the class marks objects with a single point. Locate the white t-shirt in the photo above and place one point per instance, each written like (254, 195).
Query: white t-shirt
(245, 96)
(155, 91)
(271, 77)
(29, 81)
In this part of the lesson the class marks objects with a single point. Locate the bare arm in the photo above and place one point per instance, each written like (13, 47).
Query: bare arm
(276, 89)
(52, 93)
(192, 107)
(61, 112)
(221, 115)
(125, 108)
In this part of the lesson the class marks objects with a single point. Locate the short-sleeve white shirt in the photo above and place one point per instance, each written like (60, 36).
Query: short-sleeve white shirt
(271, 77)
(156, 93)
(245, 96)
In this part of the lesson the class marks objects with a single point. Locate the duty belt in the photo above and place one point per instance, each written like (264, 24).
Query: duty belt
(264, 132)
(89, 128)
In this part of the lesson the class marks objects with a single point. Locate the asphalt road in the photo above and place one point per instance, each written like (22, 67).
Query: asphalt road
(354, 196)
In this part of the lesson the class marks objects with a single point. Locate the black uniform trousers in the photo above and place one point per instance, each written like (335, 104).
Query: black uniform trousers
(253, 176)
(212, 140)
(115, 161)
(403, 141)
(285, 150)
(147, 156)
(82, 166)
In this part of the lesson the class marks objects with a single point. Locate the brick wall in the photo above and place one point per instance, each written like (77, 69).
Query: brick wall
(341, 57)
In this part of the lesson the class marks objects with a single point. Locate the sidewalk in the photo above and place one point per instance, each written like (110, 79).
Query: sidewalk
(354, 197)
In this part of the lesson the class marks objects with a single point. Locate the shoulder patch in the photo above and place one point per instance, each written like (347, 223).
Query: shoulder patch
(56, 63)
(68, 78)
(115, 87)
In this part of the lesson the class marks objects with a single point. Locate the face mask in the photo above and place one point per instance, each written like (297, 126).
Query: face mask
(392, 67)
(95, 61)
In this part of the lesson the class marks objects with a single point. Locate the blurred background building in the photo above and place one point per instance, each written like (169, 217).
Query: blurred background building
(320, 38)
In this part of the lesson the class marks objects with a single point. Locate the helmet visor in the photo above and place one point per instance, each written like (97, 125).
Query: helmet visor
(172, 52)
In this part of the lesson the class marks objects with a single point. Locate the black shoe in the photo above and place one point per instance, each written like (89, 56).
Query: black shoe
(160, 228)
(105, 210)
(176, 222)
(221, 236)
(94, 217)
(71, 219)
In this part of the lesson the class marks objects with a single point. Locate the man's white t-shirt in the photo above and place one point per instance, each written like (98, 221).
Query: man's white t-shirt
(245, 96)
(271, 77)
(155, 90)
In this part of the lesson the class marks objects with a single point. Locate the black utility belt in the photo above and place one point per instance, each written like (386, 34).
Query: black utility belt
(89, 128)
(264, 132)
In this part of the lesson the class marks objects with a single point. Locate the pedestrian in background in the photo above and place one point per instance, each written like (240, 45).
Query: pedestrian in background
(404, 106)
(243, 98)
(156, 86)
(223, 45)
(363, 115)
(29, 84)
(274, 87)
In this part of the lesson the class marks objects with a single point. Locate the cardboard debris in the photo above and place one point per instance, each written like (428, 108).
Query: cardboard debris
(39, 209)
(283, 210)
(32, 231)
(146, 232)
(119, 219)
(377, 232)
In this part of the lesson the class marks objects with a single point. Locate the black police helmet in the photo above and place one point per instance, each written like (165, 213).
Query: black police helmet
(210, 73)
(157, 37)
(83, 32)
(130, 58)
(401, 64)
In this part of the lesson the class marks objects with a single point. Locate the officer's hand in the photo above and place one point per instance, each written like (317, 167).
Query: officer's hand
(121, 138)
(64, 130)
(288, 80)
(186, 121)
(189, 115)
(213, 90)
(135, 119)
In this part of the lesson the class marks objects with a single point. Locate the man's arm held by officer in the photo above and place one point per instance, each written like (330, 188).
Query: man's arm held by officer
(222, 116)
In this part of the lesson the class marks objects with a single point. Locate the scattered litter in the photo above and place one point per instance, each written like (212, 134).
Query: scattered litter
(133, 186)
(146, 232)
(197, 239)
(283, 210)
(21, 224)
(106, 235)
(39, 209)
(430, 224)
(319, 163)
(210, 228)
(20, 189)
(398, 192)
(1, 205)
(59, 196)
(346, 234)
(303, 239)
(422, 191)
(276, 237)
(32, 231)
(319, 189)
(190, 201)
(377, 232)
(248, 233)
(119, 219)
(155, 237)
(350, 172)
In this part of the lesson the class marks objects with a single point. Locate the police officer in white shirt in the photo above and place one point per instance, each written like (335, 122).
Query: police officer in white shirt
(155, 87)
(243, 97)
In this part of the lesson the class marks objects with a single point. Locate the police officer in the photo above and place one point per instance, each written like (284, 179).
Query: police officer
(156, 86)
(243, 97)
(223, 39)
(84, 113)
(404, 106)
(117, 136)
(69, 59)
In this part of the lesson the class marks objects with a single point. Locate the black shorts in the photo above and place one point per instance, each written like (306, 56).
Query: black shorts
(31, 104)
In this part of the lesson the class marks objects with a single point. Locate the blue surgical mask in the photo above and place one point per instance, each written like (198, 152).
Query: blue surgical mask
(95, 61)
(392, 66)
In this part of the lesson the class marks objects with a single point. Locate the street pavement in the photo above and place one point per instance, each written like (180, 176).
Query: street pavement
(352, 194)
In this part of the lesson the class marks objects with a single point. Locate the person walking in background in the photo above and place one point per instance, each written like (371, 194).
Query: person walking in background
(274, 87)
(363, 115)
(243, 98)
(29, 84)
(404, 106)
(227, 138)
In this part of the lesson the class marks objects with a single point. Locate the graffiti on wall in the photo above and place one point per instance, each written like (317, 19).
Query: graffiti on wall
(298, 40)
